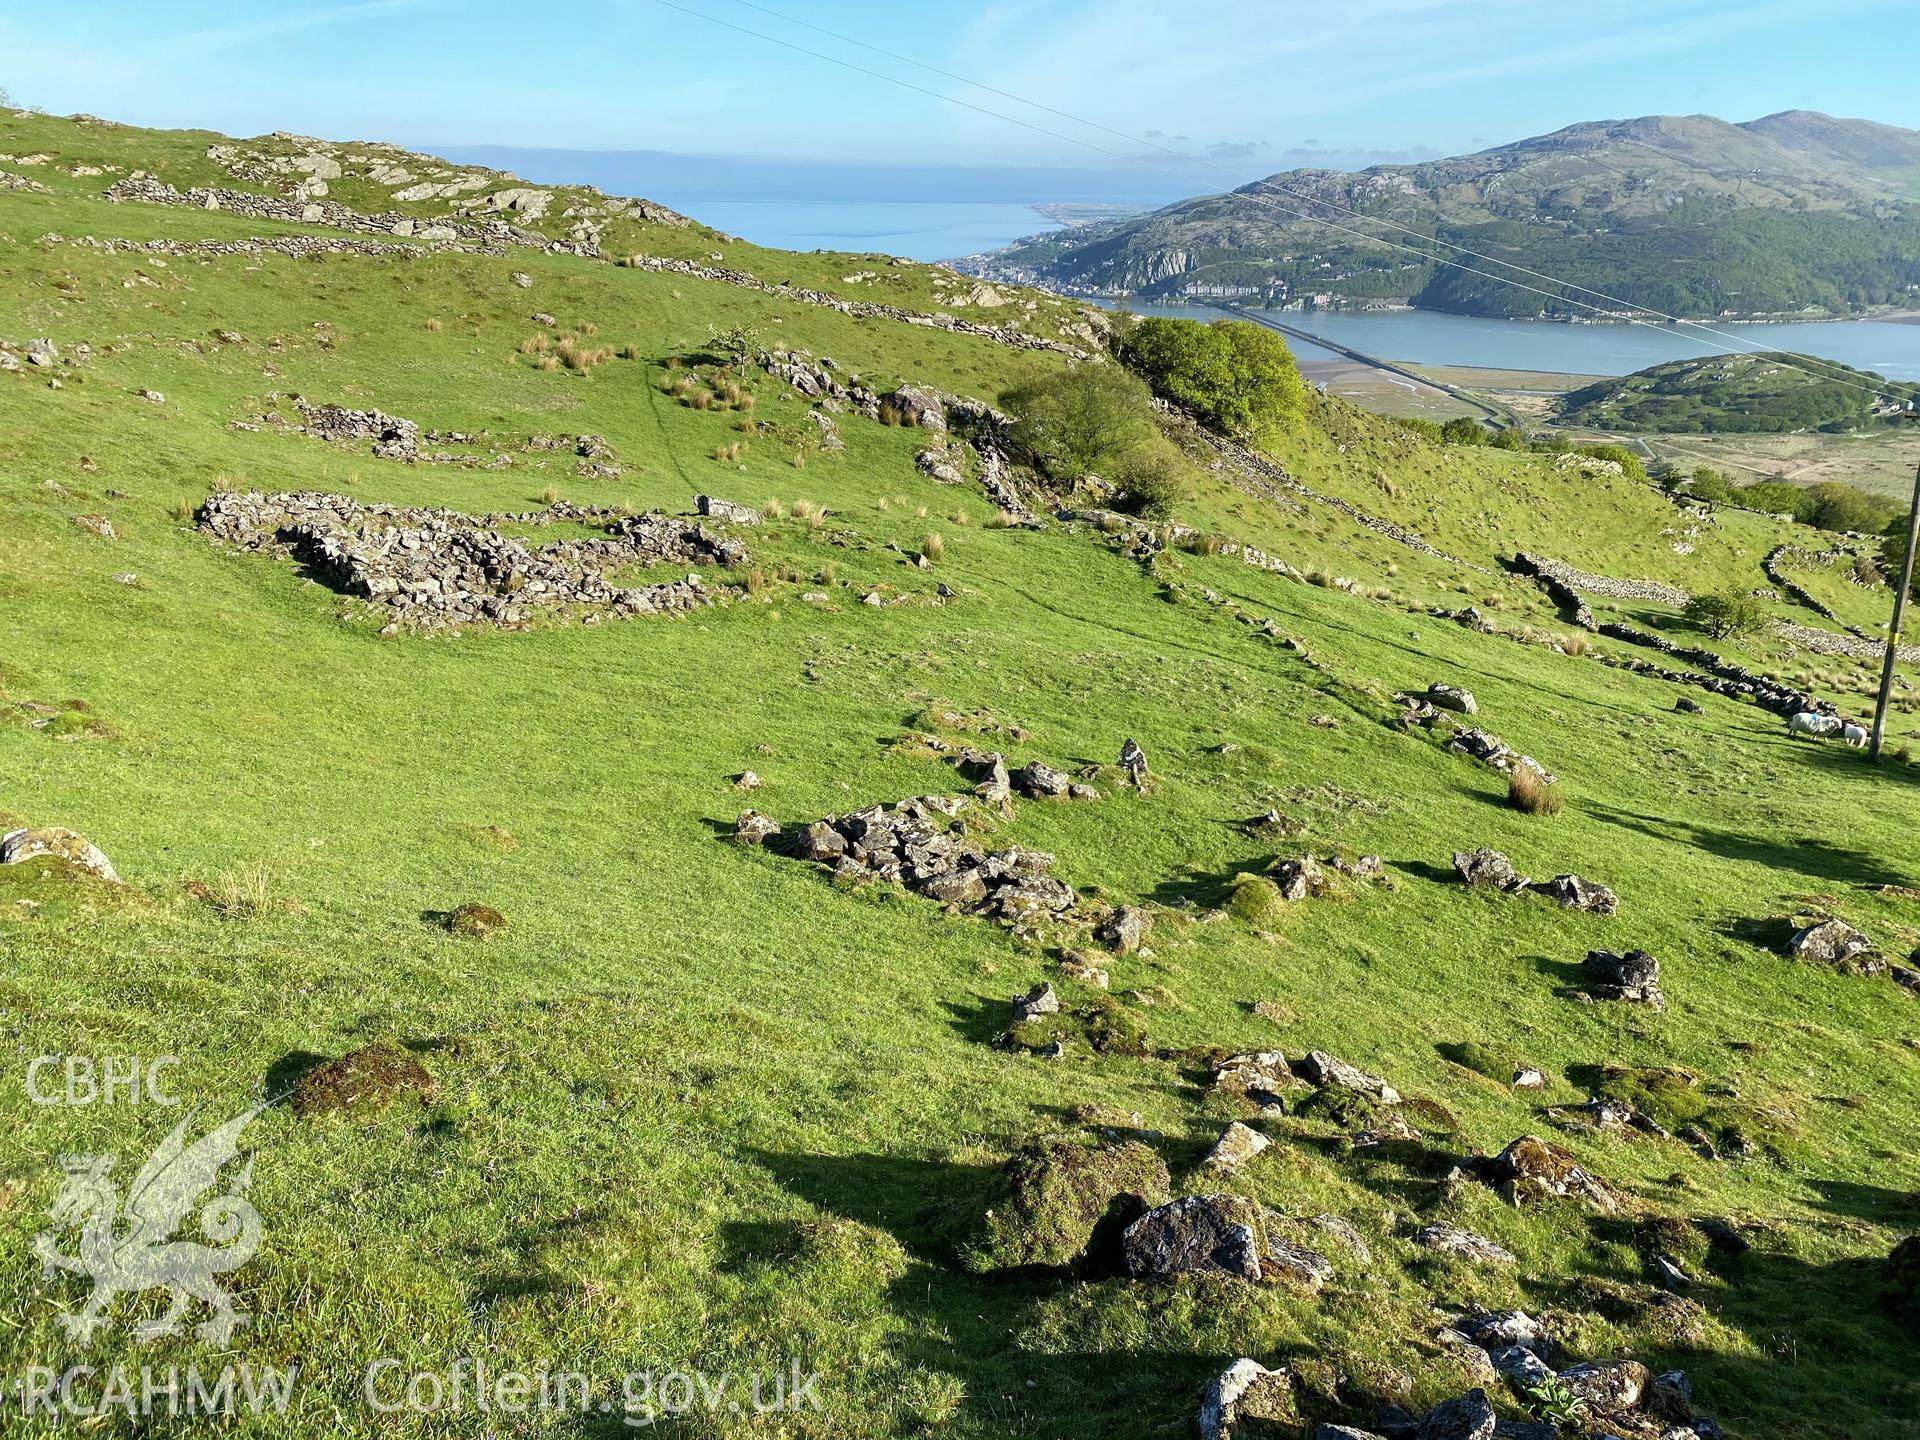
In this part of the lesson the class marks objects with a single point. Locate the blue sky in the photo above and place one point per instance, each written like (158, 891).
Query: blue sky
(1256, 84)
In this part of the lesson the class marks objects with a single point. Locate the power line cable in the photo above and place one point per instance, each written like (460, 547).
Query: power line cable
(1794, 361)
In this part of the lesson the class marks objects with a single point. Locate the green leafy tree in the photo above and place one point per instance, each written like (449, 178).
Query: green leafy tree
(1727, 614)
(1082, 421)
(1237, 377)
(1841, 507)
(1464, 430)
(1711, 484)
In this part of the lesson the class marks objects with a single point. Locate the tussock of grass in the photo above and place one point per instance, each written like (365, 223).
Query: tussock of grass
(1531, 793)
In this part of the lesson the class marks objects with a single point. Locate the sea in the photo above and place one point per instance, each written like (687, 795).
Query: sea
(934, 213)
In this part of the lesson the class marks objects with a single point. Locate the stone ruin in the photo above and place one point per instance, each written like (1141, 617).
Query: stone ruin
(393, 438)
(436, 568)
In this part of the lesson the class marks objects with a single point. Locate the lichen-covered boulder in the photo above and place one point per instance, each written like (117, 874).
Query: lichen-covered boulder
(1445, 1239)
(73, 850)
(1611, 1387)
(1530, 1170)
(1249, 1402)
(1634, 977)
(1466, 1417)
(1488, 869)
(1208, 1234)
(1061, 1200)
(1829, 942)
(1331, 1072)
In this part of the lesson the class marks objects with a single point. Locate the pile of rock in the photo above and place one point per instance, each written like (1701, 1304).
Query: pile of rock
(392, 437)
(1490, 870)
(923, 844)
(437, 567)
(1490, 750)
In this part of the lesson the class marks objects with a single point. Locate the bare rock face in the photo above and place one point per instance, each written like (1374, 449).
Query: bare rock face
(71, 849)
(1126, 930)
(918, 407)
(1324, 1070)
(1300, 878)
(1467, 1417)
(1452, 697)
(1611, 1387)
(1041, 1000)
(1215, 1234)
(1041, 781)
(1466, 1244)
(1258, 1076)
(1133, 760)
(753, 828)
(1239, 1144)
(715, 508)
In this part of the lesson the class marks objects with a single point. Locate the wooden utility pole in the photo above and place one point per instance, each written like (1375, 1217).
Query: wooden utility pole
(1899, 614)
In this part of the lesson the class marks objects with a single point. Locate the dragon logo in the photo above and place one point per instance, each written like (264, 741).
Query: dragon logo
(128, 1244)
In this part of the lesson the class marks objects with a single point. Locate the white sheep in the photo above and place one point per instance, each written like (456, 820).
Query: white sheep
(1854, 735)
(1809, 722)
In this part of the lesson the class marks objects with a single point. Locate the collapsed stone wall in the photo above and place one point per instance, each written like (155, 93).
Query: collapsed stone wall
(148, 191)
(435, 567)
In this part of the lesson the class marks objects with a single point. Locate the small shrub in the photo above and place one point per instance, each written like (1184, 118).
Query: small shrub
(1577, 643)
(960, 518)
(549, 496)
(1531, 793)
(774, 509)
(433, 326)
(933, 547)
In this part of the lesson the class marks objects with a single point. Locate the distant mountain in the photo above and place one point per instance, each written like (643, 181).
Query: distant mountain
(1687, 215)
(1769, 391)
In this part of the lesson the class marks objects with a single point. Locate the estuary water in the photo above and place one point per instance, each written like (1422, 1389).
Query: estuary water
(1428, 337)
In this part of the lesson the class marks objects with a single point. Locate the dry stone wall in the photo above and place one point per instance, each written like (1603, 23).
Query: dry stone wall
(436, 568)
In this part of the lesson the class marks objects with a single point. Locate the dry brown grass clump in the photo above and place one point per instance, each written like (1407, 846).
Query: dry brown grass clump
(1531, 793)
(933, 547)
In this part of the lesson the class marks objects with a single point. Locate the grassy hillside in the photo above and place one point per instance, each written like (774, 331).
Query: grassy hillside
(699, 1105)
(1684, 215)
(1764, 392)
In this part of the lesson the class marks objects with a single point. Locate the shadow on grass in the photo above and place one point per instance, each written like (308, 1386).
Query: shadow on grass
(1805, 855)
(966, 1325)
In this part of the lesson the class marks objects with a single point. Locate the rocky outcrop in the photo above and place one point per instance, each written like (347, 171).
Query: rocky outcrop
(73, 851)
(1634, 976)
(436, 568)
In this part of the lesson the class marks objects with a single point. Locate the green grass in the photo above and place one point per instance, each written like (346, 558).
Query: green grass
(698, 1106)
